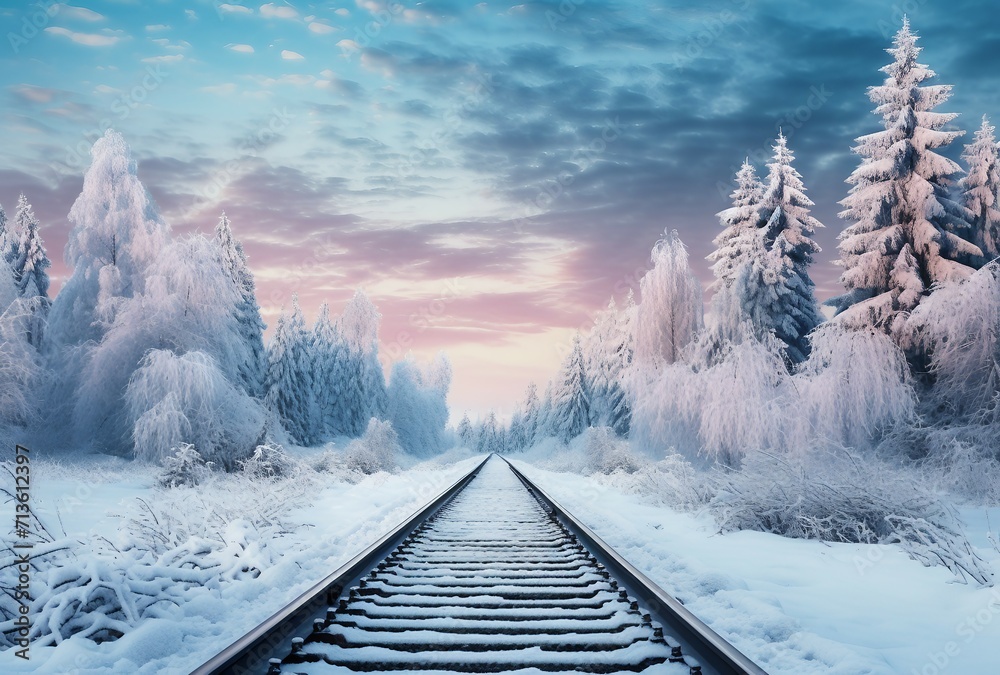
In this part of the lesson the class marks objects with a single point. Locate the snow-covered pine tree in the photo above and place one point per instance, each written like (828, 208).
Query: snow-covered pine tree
(595, 354)
(8, 241)
(980, 188)
(490, 435)
(619, 351)
(740, 222)
(787, 235)
(32, 262)
(670, 313)
(328, 386)
(365, 393)
(516, 439)
(532, 416)
(905, 235)
(570, 399)
(117, 233)
(247, 312)
(466, 434)
(290, 376)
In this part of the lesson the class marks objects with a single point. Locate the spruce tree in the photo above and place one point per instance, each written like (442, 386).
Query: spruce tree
(740, 222)
(570, 398)
(32, 262)
(980, 188)
(906, 231)
(290, 376)
(253, 363)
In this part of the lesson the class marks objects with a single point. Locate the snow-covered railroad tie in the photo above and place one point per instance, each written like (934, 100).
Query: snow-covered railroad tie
(493, 582)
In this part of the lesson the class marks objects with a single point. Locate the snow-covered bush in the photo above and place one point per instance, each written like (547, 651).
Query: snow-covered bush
(839, 496)
(717, 413)
(607, 453)
(855, 386)
(673, 481)
(185, 467)
(175, 399)
(377, 450)
(267, 462)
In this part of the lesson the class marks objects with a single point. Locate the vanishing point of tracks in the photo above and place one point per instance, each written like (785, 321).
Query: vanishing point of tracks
(493, 576)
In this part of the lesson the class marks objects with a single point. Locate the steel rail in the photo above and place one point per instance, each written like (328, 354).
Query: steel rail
(697, 639)
(251, 653)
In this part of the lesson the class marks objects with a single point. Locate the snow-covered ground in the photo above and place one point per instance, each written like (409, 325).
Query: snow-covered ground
(340, 519)
(797, 606)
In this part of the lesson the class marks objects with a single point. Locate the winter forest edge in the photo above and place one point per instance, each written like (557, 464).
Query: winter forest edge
(865, 427)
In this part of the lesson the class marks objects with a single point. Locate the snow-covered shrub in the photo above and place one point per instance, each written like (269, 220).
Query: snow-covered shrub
(607, 453)
(176, 399)
(673, 481)
(377, 450)
(839, 496)
(964, 467)
(185, 467)
(665, 407)
(855, 386)
(267, 462)
(418, 406)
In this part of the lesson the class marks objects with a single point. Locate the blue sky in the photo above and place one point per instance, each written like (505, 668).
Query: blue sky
(490, 173)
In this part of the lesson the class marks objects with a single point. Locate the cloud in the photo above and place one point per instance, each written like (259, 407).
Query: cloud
(105, 89)
(165, 58)
(78, 13)
(157, 28)
(273, 11)
(34, 94)
(234, 9)
(87, 39)
(321, 28)
(291, 56)
(342, 12)
(242, 49)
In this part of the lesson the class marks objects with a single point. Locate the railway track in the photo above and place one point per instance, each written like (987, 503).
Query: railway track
(492, 576)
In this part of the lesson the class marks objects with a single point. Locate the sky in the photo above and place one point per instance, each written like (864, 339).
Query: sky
(491, 174)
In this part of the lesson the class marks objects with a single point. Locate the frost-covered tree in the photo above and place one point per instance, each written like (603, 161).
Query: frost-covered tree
(517, 438)
(786, 234)
(906, 232)
(980, 188)
(670, 313)
(418, 407)
(32, 263)
(175, 399)
(117, 234)
(247, 312)
(490, 438)
(959, 325)
(22, 373)
(328, 348)
(8, 242)
(740, 222)
(532, 408)
(608, 353)
(364, 391)
(186, 306)
(290, 379)
(466, 433)
(570, 414)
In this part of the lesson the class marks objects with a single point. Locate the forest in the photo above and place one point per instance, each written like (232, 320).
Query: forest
(846, 423)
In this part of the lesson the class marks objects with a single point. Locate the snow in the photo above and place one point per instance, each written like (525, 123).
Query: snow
(341, 519)
(797, 606)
